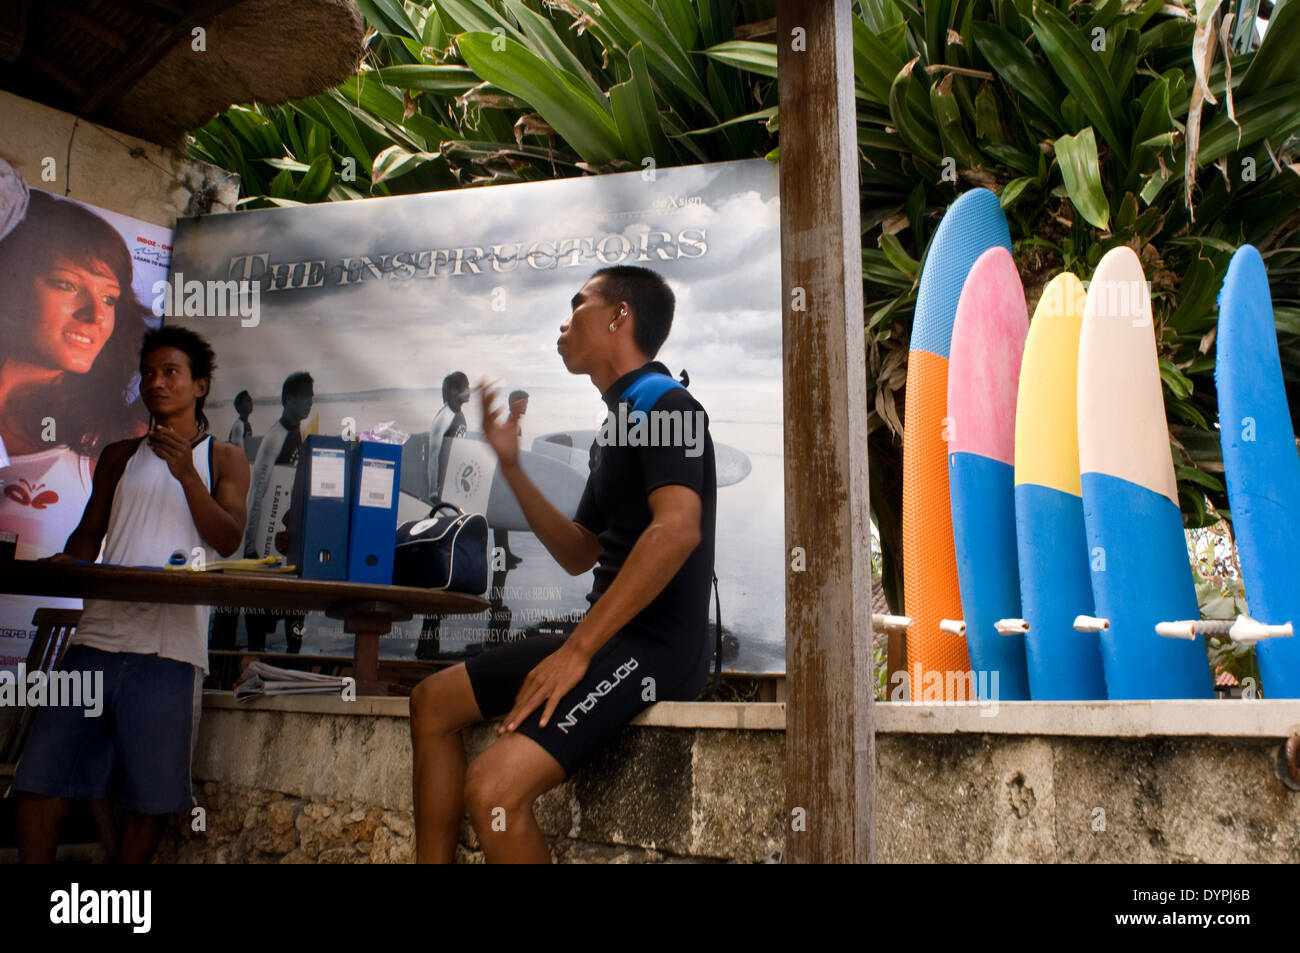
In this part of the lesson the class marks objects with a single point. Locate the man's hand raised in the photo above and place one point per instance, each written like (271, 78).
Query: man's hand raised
(501, 433)
(174, 450)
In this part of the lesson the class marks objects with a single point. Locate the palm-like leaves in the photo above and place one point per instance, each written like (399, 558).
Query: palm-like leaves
(1083, 117)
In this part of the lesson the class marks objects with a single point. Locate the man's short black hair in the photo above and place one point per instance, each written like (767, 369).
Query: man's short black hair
(453, 384)
(299, 382)
(202, 359)
(650, 297)
(243, 397)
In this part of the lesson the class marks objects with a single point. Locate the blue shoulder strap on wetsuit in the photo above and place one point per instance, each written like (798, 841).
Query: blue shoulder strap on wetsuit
(644, 393)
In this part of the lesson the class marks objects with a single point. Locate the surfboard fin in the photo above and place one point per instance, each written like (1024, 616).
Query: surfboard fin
(1243, 630)
(1011, 626)
(1088, 623)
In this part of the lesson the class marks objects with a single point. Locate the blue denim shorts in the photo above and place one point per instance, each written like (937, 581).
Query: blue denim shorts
(141, 740)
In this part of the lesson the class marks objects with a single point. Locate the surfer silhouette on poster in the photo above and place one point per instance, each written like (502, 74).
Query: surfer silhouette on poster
(448, 424)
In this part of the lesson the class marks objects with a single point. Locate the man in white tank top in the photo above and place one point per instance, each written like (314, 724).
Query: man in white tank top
(175, 489)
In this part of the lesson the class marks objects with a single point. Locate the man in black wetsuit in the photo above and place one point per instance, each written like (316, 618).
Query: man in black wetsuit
(646, 523)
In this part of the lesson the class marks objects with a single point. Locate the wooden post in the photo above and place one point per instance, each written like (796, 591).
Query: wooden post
(830, 740)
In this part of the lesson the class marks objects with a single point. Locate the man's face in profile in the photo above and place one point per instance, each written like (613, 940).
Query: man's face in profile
(580, 342)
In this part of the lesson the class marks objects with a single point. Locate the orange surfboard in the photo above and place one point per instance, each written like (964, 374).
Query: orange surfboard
(936, 660)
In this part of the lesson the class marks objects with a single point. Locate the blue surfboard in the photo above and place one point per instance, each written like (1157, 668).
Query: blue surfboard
(1260, 463)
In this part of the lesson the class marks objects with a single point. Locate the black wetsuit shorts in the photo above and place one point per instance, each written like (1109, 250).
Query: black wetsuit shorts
(627, 674)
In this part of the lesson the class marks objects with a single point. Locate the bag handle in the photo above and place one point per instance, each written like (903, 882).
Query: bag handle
(451, 506)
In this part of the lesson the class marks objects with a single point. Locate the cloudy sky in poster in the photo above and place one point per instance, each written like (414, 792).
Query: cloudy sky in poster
(385, 334)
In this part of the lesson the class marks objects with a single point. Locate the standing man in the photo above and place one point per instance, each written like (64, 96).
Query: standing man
(173, 490)
(646, 523)
(448, 422)
(273, 472)
(241, 429)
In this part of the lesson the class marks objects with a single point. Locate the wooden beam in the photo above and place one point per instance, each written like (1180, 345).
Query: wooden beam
(830, 740)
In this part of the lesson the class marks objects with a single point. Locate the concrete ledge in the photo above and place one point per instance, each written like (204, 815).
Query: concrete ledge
(1222, 718)
(741, 716)
(1226, 718)
(280, 780)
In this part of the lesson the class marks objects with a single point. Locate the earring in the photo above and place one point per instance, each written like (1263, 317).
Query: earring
(612, 327)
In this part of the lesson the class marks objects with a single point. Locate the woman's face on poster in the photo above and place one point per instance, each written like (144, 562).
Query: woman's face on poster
(73, 308)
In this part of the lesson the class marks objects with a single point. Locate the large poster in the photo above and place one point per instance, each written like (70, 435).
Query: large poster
(77, 283)
(388, 311)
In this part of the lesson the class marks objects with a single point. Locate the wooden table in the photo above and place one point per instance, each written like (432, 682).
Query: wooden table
(368, 611)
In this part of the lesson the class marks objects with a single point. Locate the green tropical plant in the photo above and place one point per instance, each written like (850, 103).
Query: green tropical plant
(1090, 123)
(1088, 119)
(472, 92)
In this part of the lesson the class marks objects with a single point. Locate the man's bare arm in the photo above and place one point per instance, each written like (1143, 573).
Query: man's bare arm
(231, 494)
(573, 546)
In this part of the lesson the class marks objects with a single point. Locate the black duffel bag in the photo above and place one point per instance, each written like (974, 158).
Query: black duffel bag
(443, 551)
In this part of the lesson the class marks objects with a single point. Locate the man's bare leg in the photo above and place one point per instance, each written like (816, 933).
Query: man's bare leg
(39, 817)
(441, 706)
(502, 785)
(141, 834)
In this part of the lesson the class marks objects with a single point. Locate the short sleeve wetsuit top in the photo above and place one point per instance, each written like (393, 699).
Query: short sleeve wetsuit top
(656, 435)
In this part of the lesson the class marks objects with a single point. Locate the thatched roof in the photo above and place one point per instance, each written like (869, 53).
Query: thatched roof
(132, 65)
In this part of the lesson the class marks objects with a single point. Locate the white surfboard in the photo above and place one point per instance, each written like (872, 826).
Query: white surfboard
(573, 448)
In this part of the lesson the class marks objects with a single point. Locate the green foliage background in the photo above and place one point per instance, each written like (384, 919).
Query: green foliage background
(1087, 119)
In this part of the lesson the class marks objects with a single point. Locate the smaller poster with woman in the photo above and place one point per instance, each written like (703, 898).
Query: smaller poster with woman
(74, 282)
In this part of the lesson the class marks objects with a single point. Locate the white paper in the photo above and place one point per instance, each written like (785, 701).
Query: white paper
(376, 484)
(327, 473)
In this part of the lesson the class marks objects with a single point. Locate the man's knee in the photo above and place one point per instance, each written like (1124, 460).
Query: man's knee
(490, 794)
(438, 705)
(507, 778)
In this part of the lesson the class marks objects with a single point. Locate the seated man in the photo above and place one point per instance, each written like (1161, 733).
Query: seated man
(174, 490)
(646, 522)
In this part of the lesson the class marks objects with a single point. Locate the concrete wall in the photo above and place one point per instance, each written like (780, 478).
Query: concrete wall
(108, 168)
(331, 784)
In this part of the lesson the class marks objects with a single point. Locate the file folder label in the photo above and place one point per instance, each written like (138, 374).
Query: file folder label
(377, 478)
(328, 466)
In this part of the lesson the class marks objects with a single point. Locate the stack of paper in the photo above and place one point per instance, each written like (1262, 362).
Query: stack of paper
(263, 679)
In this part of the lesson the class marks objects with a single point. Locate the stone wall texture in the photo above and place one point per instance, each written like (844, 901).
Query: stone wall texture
(288, 787)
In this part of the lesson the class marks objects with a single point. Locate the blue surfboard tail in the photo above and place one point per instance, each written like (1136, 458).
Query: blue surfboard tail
(1055, 587)
(984, 535)
(1141, 575)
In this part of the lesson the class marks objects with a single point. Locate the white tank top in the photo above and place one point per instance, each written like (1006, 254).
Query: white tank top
(150, 521)
(42, 496)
